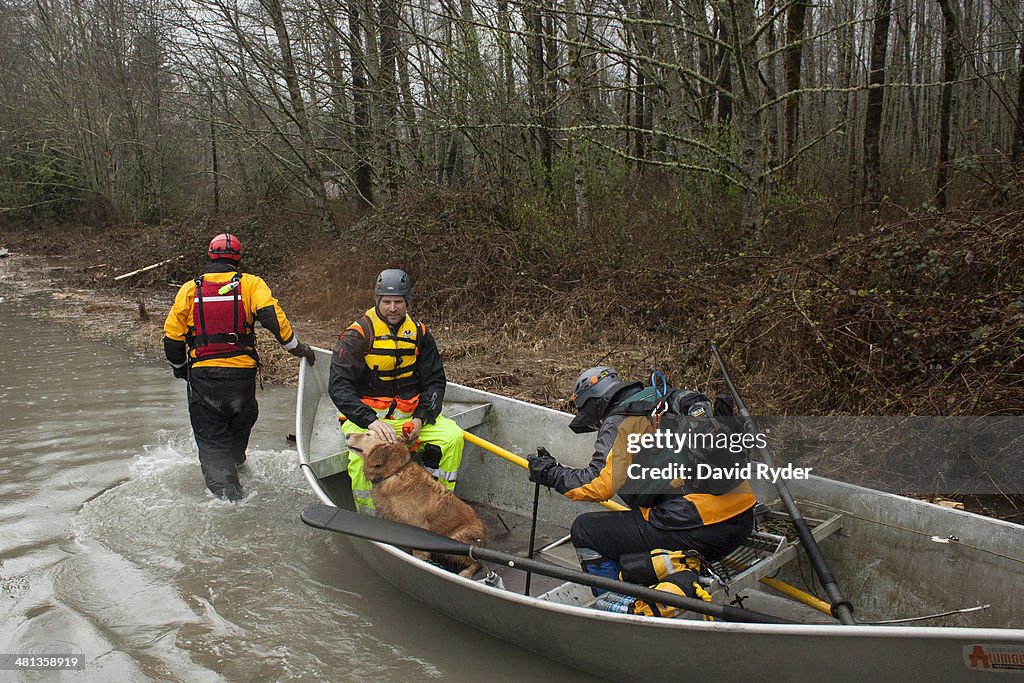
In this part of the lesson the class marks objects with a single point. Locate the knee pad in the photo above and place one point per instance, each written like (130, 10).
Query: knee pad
(431, 455)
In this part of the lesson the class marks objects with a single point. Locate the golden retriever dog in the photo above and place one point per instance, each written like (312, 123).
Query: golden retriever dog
(404, 492)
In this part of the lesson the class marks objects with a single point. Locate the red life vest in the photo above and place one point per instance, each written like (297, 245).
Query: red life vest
(221, 329)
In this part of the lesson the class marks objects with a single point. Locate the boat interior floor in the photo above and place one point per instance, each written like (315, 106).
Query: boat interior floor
(510, 532)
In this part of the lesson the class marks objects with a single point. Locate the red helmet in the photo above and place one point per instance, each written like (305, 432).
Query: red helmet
(227, 246)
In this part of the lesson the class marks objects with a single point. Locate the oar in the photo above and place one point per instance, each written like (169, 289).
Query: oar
(533, 534)
(521, 462)
(791, 591)
(405, 536)
(842, 608)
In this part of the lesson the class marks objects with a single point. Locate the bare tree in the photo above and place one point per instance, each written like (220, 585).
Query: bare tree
(1018, 128)
(950, 69)
(876, 96)
(794, 49)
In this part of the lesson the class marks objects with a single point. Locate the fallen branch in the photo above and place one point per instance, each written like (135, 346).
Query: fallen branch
(142, 270)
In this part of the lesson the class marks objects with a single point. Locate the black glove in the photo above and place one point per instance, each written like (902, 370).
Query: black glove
(542, 468)
(303, 351)
(180, 373)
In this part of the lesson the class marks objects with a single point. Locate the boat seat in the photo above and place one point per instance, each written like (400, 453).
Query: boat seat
(772, 545)
(466, 415)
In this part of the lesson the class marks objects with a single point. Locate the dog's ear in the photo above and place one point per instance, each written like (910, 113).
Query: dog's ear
(393, 455)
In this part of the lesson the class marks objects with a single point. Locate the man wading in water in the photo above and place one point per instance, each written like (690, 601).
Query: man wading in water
(214, 316)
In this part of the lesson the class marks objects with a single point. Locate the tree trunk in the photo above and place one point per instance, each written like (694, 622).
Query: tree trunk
(581, 111)
(315, 177)
(214, 162)
(794, 51)
(746, 101)
(724, 79)
(538, 91)
(408, 103)
(388, 92)
(950, 67)
(706, 63)
(360, 110)
(876, 93)
(1018, 129)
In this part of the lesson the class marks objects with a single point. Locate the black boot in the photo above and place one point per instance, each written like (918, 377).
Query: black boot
(231, 492)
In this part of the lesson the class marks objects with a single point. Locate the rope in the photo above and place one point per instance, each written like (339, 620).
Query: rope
(965, 610)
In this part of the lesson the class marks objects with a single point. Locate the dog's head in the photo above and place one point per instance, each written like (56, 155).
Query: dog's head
(380, 458)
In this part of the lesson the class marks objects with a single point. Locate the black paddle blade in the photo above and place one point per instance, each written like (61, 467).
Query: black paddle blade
(375, 529)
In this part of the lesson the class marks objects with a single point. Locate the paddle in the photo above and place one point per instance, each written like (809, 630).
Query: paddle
(402, 535)
(842, 608)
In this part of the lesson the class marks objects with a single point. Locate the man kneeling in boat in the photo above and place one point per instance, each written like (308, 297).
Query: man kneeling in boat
(387, 377)
(712, 518)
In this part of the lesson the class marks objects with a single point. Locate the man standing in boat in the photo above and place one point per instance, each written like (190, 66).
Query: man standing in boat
(209, 339)
(387, 377)
(712, 520)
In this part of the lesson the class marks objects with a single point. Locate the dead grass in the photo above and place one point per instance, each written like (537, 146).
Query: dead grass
(923, 315)
(919, 316)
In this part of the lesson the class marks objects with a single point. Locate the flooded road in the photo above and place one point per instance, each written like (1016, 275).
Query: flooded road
(111, 546)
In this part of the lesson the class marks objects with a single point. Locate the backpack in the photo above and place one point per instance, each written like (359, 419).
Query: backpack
(704, 453)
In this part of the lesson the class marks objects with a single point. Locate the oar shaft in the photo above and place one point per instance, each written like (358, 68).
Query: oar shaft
(405, 536)
(651, 595)
(497, 450)
(841, 607)
(533, 534)
(521, 461)
(797, 594)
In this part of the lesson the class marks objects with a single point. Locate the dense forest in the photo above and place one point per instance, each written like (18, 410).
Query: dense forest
(832, 190)
(147, 109)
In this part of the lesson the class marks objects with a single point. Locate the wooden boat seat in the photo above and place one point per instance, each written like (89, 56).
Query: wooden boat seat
(466, 415)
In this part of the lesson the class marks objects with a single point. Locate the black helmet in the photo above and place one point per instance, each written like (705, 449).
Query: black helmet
(393, 282)
(593, 383)
(591, 395)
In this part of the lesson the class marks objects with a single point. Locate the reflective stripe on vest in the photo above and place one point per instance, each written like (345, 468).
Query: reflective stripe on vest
(392, 408)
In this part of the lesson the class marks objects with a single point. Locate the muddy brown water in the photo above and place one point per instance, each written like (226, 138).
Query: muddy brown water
(111, 547)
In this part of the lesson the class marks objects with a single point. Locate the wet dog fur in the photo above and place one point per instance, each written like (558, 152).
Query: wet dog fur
(404, 492)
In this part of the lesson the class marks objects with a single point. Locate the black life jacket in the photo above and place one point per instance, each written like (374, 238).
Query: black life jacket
(221, 321)
(691, 414)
